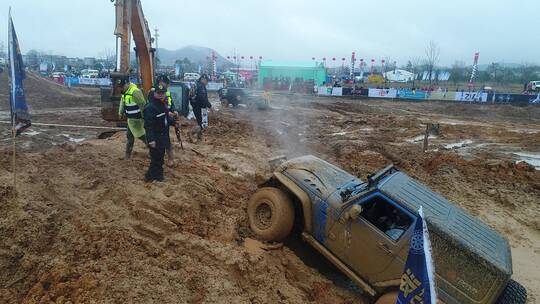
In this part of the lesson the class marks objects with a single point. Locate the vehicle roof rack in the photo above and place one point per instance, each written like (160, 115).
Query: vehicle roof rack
(374, 178)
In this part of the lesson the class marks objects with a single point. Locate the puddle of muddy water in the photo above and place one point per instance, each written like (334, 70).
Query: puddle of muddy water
(73, 139)
(532, 159)
(420, 138)
(458, 144)
(32, 133)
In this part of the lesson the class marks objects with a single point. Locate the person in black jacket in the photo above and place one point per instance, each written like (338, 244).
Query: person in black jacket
(199, 102)
(156, 123)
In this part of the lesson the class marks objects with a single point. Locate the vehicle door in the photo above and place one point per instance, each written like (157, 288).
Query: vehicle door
(373, 239)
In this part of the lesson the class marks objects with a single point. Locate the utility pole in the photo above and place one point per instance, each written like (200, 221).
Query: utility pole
(156, 36)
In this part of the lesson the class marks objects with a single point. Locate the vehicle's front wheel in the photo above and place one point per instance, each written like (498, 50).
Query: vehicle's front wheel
(388, 298)
(271, 214)
(514, 293)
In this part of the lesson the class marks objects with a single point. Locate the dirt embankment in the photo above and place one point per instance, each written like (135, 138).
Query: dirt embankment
(44, 93)
(86, 228)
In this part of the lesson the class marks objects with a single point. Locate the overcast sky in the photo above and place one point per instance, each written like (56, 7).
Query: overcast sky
(501, 30)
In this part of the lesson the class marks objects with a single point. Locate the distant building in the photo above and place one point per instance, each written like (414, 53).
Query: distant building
(307, 71)
(89, 61)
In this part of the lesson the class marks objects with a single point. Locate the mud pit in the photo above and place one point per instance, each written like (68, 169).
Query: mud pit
(85, 228)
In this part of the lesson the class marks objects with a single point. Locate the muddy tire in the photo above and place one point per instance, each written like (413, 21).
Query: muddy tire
(388, 298)
(514, 293)
(271, 214)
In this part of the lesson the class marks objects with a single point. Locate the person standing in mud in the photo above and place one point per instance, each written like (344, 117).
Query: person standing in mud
(131, 106)
(156, 124)
(198, 103)
(165, 82)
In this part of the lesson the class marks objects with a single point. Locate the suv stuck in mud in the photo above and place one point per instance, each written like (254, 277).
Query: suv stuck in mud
(364, 229)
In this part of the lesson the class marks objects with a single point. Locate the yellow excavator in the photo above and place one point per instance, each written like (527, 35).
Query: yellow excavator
(130, 22)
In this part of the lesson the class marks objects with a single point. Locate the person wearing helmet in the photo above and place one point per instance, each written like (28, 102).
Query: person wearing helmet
(131, 106)
(156, 123)
(164, 81)
(198, 103)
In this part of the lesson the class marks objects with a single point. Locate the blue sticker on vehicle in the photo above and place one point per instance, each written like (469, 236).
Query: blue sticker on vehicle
(319, 220)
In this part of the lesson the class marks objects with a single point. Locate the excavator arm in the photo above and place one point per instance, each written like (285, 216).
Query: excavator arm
(143, 45)
(130, 22)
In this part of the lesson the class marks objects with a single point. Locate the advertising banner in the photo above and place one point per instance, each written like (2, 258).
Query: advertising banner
(382, 93)
(337, 91)
(442, 96)
(325, 91)
(72, 81)
(515, 98)
(410, 94)
(347, 91)
(471, 96)
(43, 67)
(95, 81)
(214, 86)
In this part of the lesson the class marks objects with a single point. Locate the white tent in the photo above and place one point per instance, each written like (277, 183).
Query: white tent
(399, 76)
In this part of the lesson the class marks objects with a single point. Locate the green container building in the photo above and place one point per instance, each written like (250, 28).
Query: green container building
(309, 70)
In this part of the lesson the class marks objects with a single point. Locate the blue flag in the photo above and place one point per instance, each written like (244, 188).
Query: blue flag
(20, 116)
(417, 284)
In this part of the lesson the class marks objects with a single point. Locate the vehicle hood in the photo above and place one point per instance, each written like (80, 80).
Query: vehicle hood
(316, 176)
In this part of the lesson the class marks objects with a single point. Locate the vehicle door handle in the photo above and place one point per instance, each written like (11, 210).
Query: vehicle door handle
(385, 248)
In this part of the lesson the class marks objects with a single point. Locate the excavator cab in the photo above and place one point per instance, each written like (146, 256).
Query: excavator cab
(110, 98)
(180, 95)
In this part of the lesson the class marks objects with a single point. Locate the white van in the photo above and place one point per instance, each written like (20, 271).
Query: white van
(535, 85)
(87, 73)
(191, 76)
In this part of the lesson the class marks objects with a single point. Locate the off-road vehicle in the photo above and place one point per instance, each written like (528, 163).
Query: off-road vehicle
(364, 229)
(235, 96)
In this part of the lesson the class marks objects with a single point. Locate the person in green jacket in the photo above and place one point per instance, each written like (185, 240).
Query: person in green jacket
(132, 104)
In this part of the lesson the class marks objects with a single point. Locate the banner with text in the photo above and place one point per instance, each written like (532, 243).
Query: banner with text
(382, 93)
(442, 96)
(324, 91)
(471, 96)
(410, 94)
(337, 91)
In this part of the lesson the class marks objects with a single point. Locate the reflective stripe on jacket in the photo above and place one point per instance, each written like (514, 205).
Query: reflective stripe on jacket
(131, 108)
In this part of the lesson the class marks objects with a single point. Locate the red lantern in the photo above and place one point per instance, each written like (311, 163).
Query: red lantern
(324, 59)
(343, 59)
(333, 58)
(312, 58)
(372, 60)
(251, 57)
(234, 57)
(260, 57)
(228, 57)
(242, 57)
(382, 61)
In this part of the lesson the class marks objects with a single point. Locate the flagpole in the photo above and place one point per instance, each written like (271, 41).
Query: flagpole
(12, 101)
(13, 132)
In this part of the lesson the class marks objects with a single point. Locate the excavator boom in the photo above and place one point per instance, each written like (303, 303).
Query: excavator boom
(130, 22)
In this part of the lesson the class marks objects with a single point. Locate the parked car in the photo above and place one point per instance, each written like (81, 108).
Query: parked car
(364, 228)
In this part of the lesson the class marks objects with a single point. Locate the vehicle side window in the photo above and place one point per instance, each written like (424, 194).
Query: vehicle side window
(386, 217)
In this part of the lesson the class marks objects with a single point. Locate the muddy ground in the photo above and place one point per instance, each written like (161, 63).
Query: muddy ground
(85, 228)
